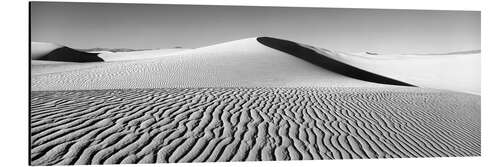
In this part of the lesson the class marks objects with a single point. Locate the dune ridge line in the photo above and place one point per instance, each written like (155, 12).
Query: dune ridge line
(67, 54)
(333, 65)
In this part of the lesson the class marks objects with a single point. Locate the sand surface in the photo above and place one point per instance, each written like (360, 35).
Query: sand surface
(245, 101)
(249, 124)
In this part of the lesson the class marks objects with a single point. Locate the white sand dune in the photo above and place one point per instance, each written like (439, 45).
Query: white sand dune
(245, 101)
(241, 63)
(456, 72)
(261, 66)
(460, 71)
(250, 124)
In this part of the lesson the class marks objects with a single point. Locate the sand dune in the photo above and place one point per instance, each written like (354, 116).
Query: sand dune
(250, 124)
(272, 62)
(53, 52)
(456, 72)
(311, 55)
(39, 49)
(459, 71)
(241, 63)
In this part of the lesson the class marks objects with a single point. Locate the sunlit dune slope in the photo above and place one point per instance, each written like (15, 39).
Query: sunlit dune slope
(241, 63)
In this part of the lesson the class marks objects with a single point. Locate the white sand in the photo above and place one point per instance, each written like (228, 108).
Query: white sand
(456, 72)
(262, 104)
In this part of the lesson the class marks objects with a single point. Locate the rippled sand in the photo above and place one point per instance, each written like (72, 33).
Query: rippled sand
(250, 124)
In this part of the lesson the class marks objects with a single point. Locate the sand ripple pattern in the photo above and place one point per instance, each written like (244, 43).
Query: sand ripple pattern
(250, 124)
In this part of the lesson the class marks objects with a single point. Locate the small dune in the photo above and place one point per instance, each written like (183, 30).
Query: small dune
(40, 49)
(71, 55)
(53, 52)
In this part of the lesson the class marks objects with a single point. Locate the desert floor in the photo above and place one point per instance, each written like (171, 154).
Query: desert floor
(245, 101)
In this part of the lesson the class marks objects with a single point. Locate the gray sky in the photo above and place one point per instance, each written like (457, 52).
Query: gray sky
(88, 25)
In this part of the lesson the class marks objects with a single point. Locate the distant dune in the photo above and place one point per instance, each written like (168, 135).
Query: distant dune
(52, 52)
(71, 55)
(254, 99)
(39, 49)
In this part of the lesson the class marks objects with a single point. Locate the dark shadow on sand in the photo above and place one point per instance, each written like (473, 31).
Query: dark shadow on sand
(71, 55)
(333, 65)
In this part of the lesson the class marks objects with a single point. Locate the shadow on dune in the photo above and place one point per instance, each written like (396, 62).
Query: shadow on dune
(333, 65)
(71, 55)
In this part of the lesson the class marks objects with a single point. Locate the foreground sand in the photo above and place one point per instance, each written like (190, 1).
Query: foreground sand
(247, 124)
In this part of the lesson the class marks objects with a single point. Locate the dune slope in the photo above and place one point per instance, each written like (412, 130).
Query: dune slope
(321, 60)
(241, 63)
(250, 124)
(458, 71)
(455, 72)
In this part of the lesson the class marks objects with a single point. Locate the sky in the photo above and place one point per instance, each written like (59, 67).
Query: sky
(150, 26)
